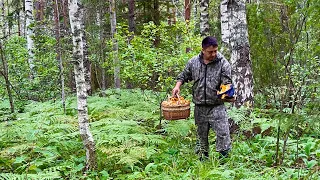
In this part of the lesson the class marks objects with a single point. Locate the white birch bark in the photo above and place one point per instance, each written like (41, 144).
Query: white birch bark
(76, 18)
(113, 22)
(204, 17)
(21, 23)
(235, 33)
(87, 65)
(3, 21)
(29, 34)
(195, 14)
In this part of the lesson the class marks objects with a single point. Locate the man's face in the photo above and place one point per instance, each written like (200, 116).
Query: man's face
(210, 53)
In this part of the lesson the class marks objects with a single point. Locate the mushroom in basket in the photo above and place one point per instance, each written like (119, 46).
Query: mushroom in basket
(175, 108)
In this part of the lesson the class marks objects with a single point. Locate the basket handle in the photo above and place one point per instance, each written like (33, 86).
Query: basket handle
(172, 96)
(178, 99)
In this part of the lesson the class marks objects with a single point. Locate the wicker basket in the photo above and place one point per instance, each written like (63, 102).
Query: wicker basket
(181, 111)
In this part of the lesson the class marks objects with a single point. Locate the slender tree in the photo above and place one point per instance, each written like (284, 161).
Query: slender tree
(187, 10)
(204, 17)
(76, 18)
(195, 14)
(87, 64)
(113, 22)
(5, 74)
(4, 24)
(235, 34)
(29, 34)
(58, 50)
(131, 5)
(39, 8)
(100, 23)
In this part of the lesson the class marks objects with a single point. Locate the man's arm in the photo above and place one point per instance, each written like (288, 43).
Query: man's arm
(183, 77)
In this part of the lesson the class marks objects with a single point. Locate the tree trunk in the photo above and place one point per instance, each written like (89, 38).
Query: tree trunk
(87, 65)
(58, 50)
(132, 27)
(195, 15)
(76, 18)
(156, 20)
(187, 10)
(21, 21)
(100, 22)
(204, 17)
(4, 24)
(235, 33)
(39, 7)
(64, 4)
(5, 74)
(29, 34)
(113, 22)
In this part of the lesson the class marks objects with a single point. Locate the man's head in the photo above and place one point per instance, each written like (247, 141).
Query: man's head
(209, 48)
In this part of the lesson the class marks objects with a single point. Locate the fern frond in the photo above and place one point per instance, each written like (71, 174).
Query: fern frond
(17, 149)
(39, 176)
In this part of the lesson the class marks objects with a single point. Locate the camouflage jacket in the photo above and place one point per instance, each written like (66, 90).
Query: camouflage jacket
(206, 78)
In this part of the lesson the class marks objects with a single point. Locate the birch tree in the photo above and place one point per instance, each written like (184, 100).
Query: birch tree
(4, 22)
(86, 64)
(29, 34)
(113, 22)
(76, 18)
(235, 33)
(204, 17)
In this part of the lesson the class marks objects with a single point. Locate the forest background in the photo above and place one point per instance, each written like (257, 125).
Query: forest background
(126, 55)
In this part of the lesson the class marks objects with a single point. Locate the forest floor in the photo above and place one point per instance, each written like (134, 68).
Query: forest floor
(41, 142)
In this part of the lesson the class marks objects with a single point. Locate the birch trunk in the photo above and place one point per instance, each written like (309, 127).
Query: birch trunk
(76, 18)
(29, 34)
(204, 17)
(113, 22)
(87, 65)
(195, 15)
(58, 50)
(4, 24)
(235, 33)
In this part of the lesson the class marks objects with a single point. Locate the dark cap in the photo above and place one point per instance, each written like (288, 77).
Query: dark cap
(209, 41)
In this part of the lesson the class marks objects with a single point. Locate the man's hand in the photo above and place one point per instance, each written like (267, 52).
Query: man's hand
(176, 89)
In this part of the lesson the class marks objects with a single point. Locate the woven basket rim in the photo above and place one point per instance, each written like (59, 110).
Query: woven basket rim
(181, 108)
(176, 105)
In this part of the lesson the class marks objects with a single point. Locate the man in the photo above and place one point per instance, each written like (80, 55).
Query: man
(208, 70)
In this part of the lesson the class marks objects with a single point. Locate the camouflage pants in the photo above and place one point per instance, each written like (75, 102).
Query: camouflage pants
(216, 118)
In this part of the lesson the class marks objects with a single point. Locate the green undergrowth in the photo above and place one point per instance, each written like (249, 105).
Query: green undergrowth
(44, 143)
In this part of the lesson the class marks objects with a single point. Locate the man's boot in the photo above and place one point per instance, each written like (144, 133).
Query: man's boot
(224, 154)
(204, 156)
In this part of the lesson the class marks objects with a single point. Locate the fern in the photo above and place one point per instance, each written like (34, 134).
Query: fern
(39, 176)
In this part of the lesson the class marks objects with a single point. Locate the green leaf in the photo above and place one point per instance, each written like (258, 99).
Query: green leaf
(311, 163)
